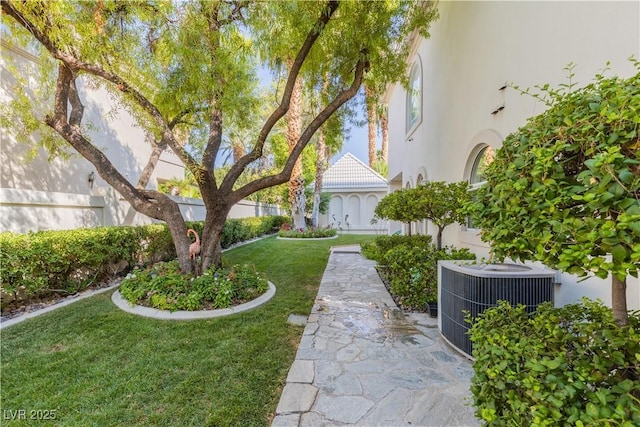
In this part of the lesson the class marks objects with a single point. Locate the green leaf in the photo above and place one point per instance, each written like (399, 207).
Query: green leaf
(626, 176)
(619, 253)
(633, 210)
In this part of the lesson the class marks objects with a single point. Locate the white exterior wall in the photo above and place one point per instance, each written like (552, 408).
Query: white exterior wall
(475, 48)
(42, 194)
(359, 205)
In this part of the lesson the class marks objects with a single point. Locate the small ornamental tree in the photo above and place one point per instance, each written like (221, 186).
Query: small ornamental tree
(565, 188)
(437, 201)
(398, 206)
(441, 203)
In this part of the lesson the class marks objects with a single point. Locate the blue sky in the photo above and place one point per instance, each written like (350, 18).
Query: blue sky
(356, 140)
(356, 143)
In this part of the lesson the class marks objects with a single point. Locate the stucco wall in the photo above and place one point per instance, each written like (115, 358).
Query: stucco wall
(42, 193)
(475, 49)
(22, 211)
(358, 205)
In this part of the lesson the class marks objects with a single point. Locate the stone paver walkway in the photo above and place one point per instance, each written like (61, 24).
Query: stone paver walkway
(363, 362)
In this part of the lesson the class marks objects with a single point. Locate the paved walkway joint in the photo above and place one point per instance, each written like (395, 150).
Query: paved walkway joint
(363, 362)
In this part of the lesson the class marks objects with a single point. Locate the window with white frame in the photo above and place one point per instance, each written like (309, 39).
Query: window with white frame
(414, 97)
(483, 158)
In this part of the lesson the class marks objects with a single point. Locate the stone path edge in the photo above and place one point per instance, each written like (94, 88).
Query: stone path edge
(154, 313)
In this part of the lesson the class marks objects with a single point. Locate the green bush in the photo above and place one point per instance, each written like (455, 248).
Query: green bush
(569, 366)
(241, 229)
(377, 249)
(412, 272)
(165, 287)
(308, 233)
(409, 264)
(68, 261)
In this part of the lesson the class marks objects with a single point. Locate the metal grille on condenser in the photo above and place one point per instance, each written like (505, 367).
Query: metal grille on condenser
(462, 293)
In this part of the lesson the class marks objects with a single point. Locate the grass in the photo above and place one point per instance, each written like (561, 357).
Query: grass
(95, 365)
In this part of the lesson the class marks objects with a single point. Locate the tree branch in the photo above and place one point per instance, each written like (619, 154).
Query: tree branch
(238, 167)
(319, 120)
(75, 64)
(142, 200)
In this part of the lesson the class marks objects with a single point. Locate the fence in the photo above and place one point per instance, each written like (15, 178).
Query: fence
(22, 211)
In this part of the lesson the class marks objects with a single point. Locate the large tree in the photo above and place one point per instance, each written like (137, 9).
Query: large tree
(565, 188)
(190, 66)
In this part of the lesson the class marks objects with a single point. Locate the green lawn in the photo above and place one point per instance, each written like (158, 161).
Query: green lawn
(95, 365)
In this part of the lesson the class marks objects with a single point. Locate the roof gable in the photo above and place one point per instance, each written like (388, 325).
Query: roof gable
(349, 172)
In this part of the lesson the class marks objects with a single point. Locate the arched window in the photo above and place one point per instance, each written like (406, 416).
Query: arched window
(476, 179)
(414, 97)
(483, 159)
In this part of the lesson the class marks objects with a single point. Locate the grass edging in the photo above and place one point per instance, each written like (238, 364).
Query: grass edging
(70, 300)
(155, 313)
(307, 238)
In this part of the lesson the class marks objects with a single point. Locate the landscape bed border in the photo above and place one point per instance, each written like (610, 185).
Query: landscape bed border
(155, 313)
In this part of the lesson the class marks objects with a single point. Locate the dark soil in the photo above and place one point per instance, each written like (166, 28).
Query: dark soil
(19, 307)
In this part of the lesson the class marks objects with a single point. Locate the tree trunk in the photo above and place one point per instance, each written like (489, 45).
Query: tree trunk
(371, 119)
(237, 147)
(384, 128)
(439, 238)
(296, 182)
(619, 300)
(211, 251)
(178, 228)
(320, 168)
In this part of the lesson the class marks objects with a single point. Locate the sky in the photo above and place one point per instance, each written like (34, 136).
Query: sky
(356, 140)
(357, 143)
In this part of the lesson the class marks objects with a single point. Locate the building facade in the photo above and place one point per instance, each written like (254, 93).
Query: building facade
(462, 102)
(355, 191)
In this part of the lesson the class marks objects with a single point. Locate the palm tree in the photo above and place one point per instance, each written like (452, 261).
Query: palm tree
(294, 129)
(371, 121)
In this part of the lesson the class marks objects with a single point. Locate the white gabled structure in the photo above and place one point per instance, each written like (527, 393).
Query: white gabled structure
(461, 106)
(355, 191)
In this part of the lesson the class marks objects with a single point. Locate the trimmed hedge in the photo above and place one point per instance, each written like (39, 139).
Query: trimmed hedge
(409, 264)
(378, 249)
(308, 233)
(68, 261)
(569, 366)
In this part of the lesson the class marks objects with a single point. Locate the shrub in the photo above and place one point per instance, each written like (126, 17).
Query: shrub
(240, 229)
(68, 261)
(561, 366)
(412, 272)
(165, 287)
(307, 233)
(409, 264)
(377, 249)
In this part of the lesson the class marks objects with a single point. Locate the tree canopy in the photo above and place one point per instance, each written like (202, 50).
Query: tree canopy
(565, 188)
(437, 201)
(188, 70)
